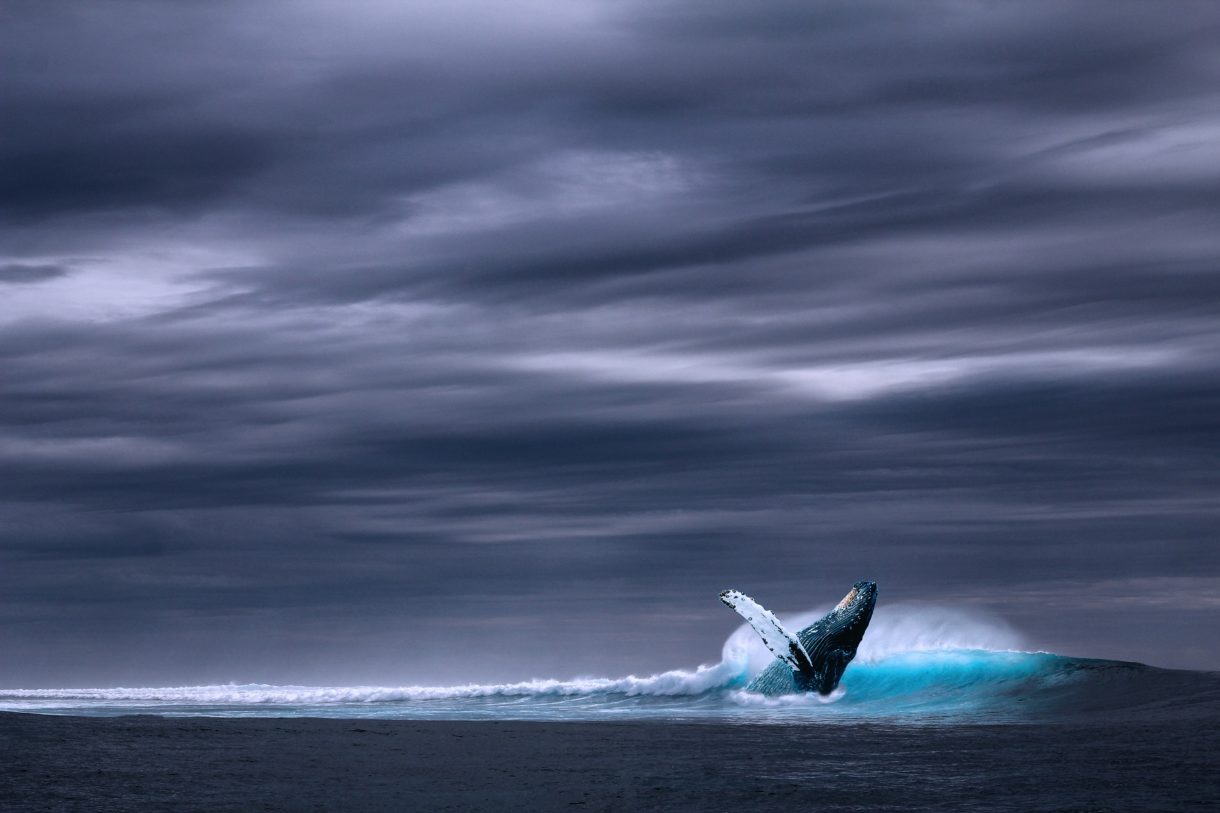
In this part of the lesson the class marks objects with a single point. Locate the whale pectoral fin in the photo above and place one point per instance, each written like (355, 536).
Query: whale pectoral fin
(784, 644)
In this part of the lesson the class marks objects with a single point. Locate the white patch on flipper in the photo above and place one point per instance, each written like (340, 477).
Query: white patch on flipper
(784, 644)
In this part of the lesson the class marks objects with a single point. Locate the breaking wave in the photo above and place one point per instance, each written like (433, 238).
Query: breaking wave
(916, 663)
(665, 684)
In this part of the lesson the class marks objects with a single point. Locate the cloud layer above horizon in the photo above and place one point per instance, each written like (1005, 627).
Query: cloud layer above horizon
(343, 341)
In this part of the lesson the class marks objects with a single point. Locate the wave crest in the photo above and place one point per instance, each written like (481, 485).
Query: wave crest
(894, 629)
(916, 663)
(674, 683)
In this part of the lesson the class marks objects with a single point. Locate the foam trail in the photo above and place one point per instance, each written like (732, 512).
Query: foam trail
(674, 683)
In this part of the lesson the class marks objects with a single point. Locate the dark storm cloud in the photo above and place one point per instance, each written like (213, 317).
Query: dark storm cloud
(362, 331)
(21, 273)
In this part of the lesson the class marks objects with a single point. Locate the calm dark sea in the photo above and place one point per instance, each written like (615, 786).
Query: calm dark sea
(59, 763)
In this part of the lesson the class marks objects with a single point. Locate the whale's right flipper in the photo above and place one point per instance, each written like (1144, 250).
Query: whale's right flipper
(784, 644)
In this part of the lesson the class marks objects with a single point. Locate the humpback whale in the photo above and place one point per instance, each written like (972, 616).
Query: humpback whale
(814, 658)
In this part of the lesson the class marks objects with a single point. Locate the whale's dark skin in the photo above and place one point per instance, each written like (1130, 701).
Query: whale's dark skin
(831, 642)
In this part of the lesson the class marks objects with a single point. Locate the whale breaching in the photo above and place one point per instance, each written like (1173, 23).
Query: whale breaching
(814, 658)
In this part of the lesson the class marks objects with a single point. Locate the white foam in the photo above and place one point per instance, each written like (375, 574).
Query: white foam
(755, 700)
(666, 684)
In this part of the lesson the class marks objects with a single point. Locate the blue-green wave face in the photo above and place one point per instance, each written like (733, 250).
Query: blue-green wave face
(963, 680)
(979, 685)
(917, 666)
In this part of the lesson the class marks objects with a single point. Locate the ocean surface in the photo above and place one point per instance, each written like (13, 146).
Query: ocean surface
(940, 711)
(917, 665)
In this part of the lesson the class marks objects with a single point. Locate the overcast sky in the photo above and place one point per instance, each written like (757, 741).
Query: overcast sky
(392, 342)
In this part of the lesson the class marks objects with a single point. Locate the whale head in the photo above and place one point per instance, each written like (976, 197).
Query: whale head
(844, 626)
(833, 639)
